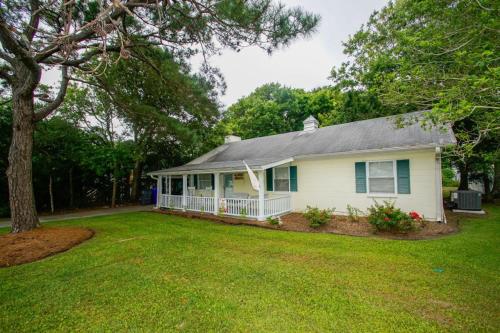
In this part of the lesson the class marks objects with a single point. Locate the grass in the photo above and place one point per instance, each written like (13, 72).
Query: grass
(152, 272)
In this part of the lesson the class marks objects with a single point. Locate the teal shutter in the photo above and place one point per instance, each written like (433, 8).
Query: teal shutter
(269, 179)
(403, 172)
(195, 181)
(360, 168)
(212, 179)
(293, 178)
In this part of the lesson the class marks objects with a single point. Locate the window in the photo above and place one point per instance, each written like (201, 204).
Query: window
(281, 179)
(381, 177)
(205, 181)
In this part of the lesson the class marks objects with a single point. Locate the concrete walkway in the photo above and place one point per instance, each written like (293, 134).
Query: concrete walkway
(87, 213)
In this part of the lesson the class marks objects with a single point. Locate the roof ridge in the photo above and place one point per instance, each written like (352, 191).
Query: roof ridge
(330, 126)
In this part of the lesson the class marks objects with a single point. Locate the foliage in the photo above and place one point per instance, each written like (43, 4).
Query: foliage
(449, 179)
(64, 285)
(385, 217)
(81, 37)
(273, 220)
(318, 217)
(273, 109)
(354, 213)
(433, 55)
(243, 212)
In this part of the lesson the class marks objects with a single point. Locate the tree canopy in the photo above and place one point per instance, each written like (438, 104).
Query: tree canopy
(86, 36)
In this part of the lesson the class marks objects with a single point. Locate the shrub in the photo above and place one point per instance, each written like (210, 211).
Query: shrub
(354, 213)
(243, 212)
(317, 217)
(273, 220)
(388, 218)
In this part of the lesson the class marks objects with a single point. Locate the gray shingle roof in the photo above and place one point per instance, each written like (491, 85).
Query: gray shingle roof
(365, 135)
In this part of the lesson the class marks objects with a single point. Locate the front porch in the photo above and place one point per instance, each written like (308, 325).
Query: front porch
(220, 194)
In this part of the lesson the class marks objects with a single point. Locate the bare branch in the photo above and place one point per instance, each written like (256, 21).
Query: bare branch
(32, 27)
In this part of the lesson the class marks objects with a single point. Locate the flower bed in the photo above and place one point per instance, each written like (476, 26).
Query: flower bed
(338, 224)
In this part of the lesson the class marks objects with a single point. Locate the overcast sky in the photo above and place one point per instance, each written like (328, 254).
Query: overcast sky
(305, 64)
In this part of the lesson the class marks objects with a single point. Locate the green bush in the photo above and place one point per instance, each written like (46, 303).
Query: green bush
(354, 213)
(273, 220)
(317, 217)
(388, 218)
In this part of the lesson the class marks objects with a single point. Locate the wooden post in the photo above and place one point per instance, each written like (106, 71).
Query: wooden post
(184, 192)
(216, 192)
(261, 195)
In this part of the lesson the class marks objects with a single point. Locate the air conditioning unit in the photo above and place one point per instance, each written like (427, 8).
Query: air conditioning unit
(466, 200)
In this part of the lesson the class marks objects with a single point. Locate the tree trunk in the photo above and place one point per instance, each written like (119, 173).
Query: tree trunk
(71, 194)
(51, 195)
(136, 181)
(19, 172)
(486, 183)
(464, 176)
(115, 186)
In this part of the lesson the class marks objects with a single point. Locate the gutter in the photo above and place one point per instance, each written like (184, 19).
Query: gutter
(366, 151)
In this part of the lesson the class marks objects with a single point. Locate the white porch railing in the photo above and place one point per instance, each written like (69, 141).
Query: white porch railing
(240, 207)
(200, 204)
(171, 201)
(229, 206)
(276, 206)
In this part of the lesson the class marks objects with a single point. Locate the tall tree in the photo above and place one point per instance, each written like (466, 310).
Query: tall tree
(158, 98)
(37, 35)
(433, 55)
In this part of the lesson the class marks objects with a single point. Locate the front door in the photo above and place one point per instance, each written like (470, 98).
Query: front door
(228, 186)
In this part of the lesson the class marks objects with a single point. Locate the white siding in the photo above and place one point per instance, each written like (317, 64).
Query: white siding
(330, 182)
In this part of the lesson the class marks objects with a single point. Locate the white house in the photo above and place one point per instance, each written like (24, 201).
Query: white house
(335, 166)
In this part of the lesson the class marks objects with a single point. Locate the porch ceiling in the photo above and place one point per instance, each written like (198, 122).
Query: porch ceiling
(225, 166)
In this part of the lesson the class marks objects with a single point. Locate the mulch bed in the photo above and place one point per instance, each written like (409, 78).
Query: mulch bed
(33, 245)
(338, 225)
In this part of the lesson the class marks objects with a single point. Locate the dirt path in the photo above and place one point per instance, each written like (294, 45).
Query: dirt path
(4, 223)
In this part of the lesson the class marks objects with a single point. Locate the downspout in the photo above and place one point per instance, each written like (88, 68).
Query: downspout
(440, 216)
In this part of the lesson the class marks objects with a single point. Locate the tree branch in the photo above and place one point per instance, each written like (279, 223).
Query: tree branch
(32, 26)
(10, 43)
(47, 109)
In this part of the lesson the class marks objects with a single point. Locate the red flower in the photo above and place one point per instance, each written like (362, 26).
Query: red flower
(386, 219)
(415, 216)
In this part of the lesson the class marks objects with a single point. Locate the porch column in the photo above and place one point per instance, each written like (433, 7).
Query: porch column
(216, 192)
(261, 195)
(158, 191)
(169, 185)
(184, 191)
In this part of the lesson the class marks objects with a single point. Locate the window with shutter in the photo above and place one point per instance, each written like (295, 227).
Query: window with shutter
(403, 172)
(269, 180)
(381, 177)
(293, 178)
(360, 170)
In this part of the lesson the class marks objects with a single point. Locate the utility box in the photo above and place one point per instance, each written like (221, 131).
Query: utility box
(466, 200)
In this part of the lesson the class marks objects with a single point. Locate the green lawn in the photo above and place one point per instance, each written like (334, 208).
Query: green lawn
(146, 271)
